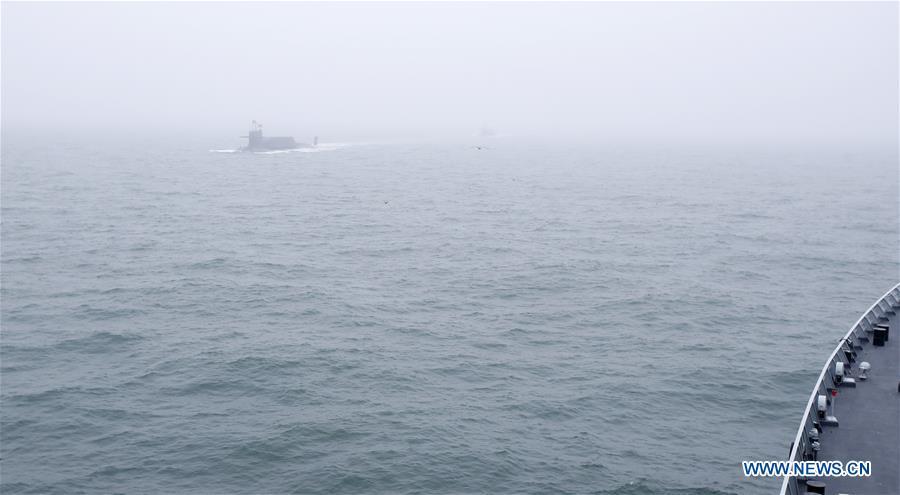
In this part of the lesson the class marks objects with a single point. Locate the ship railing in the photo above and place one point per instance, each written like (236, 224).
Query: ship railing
(802, 447)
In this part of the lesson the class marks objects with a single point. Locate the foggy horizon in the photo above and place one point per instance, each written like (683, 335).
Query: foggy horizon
(508, 248)
(695, 72)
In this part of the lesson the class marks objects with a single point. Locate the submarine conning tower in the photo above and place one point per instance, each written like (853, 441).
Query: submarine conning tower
(256, 141)
(255, 135)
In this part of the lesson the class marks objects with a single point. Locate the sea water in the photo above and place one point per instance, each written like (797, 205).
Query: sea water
(511, 317)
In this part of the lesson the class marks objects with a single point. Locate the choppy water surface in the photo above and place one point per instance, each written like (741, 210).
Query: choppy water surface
(415, 318)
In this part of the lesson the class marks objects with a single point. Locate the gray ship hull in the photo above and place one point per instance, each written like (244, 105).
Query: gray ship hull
(861, 416)
(257, 142)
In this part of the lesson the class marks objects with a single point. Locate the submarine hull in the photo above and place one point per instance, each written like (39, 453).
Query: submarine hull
(258, 142)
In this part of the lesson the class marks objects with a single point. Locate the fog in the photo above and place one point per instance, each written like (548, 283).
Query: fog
(642, 72)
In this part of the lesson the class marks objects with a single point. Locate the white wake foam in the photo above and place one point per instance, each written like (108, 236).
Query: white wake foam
(309, 149)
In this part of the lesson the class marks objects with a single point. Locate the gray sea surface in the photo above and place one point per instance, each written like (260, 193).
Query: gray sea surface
(396, 318)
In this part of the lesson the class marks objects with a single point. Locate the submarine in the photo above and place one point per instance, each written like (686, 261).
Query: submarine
(258, 142)
(861, 375)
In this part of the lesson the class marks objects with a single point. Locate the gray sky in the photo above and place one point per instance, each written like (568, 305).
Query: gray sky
(810, 72)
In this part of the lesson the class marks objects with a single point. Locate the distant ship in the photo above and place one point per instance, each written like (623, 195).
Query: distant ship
(257, 142)
(487, 132)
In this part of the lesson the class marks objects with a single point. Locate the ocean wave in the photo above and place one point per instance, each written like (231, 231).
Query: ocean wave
(286, 331)
(645, 488)
(99, 342)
